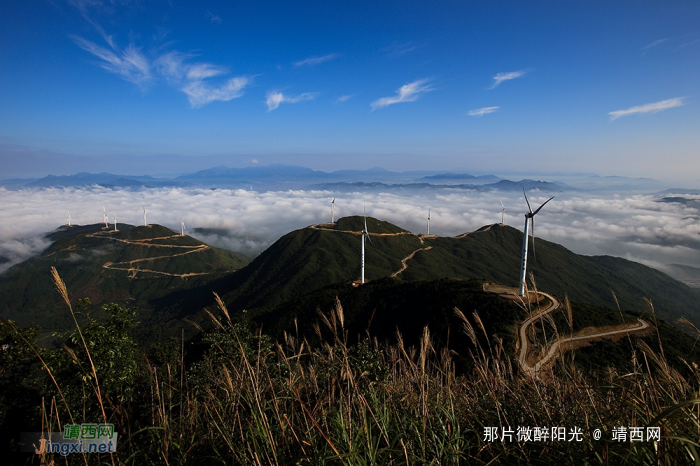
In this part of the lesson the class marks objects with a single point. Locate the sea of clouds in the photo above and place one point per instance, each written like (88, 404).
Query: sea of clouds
(636, 227)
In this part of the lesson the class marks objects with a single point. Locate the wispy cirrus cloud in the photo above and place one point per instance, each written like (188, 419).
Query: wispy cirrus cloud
(191, 78)
(274, 99)
(398, 49)
(130, 63)
(213, 18)
(483, 111)
(685, 44)
(656, 43)
(406, 93)
(500, 77)
(316, 60)
(343, 98)
(648, 108)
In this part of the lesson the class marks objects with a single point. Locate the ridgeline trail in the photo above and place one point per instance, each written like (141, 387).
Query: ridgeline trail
(146, 243)
(420, 236)
(404, 264)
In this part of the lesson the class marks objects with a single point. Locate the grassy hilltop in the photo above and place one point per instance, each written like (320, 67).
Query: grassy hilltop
(315, 257)
(133, 265)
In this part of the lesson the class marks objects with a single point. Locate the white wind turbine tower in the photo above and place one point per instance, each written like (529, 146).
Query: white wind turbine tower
(503, 212)
(144, 217)
(428, 222)
(182, 227)
(530, 216)
(68, 218)
(104, 216)
(365, 233)
(115, 221)
(333, 210)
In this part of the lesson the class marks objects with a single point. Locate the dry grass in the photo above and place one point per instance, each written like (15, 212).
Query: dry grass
(251, 401)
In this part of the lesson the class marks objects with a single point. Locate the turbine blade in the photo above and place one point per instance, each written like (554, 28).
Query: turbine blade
(538, 209)
(504, 207)
(528, 202)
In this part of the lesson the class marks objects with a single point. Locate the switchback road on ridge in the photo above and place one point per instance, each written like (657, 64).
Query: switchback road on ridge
(561, 343)
(146, 243)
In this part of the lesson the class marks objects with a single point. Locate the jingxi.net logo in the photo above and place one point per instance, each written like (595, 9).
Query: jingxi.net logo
(77, 438)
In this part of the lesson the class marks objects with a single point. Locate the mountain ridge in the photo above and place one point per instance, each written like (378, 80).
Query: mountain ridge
(313, 257)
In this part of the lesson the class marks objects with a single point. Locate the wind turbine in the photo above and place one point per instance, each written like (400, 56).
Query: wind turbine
(333, 210)
(428, 222)
(115, 221)
(523, 262)
(504, 211)
(365, 233)
(182, 227)
(104, 216)
(68, 218)
(144, 217)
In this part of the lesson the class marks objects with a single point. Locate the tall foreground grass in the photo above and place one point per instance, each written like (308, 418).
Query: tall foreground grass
(252, 401)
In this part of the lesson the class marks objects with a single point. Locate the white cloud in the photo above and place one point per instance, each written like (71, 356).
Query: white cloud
(274, 99)
(398, 49)
(692, 42)
(129, 63)
(648, 108)
(647, 47)
(636, 227)
(200, 93)
(316, 60)
(213, 18)
(406, 93)
(194, 79)
(343, 98)
(500, 77)
(483, 111)
(191, 78)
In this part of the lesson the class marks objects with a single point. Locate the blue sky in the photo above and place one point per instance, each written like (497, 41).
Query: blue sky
(168, 87)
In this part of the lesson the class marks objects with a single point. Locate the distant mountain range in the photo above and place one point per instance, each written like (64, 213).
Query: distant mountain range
(103, 179)
(502, 185)
(285, 177)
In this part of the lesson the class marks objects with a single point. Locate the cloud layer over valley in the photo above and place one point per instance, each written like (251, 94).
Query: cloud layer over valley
(636, 227)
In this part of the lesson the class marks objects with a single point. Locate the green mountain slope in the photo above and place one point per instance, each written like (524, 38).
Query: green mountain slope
(312, 258)
(382, 307)
(134, 265)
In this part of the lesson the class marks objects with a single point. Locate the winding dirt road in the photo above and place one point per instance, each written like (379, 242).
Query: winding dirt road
(561, 343)
(132, 271)
(358, 233)
(404, 261)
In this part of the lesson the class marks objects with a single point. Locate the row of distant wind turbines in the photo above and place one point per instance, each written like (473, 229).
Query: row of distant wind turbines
(529, 222)
(145, 223)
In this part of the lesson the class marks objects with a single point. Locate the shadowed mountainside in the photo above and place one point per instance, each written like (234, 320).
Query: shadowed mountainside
(314, 257)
